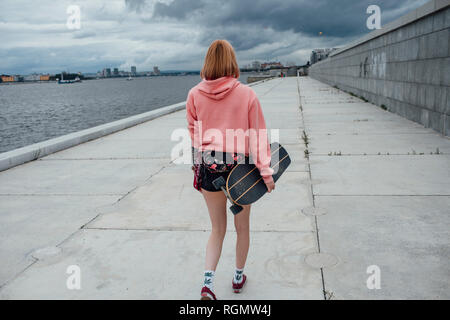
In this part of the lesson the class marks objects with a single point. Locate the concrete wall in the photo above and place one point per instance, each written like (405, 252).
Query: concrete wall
(405, 66)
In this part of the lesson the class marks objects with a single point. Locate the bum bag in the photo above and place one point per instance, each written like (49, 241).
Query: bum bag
(214, 162)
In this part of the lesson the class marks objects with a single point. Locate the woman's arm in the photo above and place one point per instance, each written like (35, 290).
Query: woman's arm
(258, 141)
(191, 115)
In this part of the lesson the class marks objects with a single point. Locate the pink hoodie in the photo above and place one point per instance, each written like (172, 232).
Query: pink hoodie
(225, 115)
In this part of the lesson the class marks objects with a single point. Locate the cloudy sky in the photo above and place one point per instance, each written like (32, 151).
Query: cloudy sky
(175, 34)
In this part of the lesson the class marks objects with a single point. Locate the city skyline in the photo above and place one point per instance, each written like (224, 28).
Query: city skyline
(175, 35)
(116, 72)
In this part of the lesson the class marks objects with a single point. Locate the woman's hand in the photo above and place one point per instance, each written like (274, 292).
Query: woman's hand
(270, 186)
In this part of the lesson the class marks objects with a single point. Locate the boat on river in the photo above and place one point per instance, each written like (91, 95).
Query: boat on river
(62, 81)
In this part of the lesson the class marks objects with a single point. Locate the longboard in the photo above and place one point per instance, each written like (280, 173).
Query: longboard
(245, 185)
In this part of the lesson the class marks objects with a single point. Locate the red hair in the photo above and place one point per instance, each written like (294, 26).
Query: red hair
(220, 61)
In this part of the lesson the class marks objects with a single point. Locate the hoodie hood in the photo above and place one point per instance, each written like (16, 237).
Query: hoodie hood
(219, 88)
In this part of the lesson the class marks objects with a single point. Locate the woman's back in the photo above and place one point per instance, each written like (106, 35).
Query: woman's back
(224, 111)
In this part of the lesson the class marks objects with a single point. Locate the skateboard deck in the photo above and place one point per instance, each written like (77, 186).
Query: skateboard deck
(245, 185)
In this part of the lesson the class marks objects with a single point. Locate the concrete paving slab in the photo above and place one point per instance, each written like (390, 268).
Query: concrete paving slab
(78, 176)
(274, 118)
(112, 147)
(284, 99)
(276, 267)
(280, 121)
(320, 98)
(381, 175)
(266, 87)
(28, 223)
(170, 120)
(152, 130)
(279, 98)
(406, 237)
(178, 115)
(290, 136)
(263, 91)
(350, 118)
(287, 113)
(148, 207)
(297, 155)
(373, 144)
(310, 110)
(364, 127)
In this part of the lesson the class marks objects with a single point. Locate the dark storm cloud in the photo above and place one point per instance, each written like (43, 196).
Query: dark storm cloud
(243, 38)
(268, 29)
(334, 18)
(135, 5)
(82, 35)
(177, 9)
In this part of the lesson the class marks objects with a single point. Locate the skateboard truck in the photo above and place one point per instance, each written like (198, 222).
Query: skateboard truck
(219, 184)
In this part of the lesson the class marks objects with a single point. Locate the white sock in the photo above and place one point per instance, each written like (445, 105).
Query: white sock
(238, 275)
(209, 279)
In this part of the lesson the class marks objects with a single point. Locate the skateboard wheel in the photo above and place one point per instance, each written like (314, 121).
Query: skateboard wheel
(219, 183)
(235, 209)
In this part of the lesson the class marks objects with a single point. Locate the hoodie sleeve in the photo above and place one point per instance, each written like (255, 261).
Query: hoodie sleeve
(191, 115)
(258, 141)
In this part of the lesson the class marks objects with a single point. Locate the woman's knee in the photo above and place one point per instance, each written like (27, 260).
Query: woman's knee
(242, 229)
(219, 231)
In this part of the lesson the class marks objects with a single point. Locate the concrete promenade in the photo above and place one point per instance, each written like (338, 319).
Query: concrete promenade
(375, 190)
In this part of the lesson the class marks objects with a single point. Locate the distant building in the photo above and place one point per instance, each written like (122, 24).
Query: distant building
(32, 77)
(156, 71)
(303, 70)
(45, 77)
(106, 73)
(133, 70)
(320, 54)
(275, 72)
(116, 72)
(6, 78)
(278, 72)
(256, 65)
(271, 65)
(292, 71)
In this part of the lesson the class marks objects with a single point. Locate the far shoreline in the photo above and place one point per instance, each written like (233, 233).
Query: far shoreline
(109, 78)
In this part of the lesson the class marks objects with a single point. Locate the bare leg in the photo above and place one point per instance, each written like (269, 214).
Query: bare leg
(217, 207)
(242, 225)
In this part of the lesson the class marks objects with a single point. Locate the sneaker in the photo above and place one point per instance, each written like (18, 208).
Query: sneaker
(237, 287)
(207, 294)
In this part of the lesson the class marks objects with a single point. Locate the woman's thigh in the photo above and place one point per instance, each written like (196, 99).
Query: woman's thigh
(217, 208)
(242, 219)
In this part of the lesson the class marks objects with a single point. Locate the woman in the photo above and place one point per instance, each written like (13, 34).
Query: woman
(219, 111)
